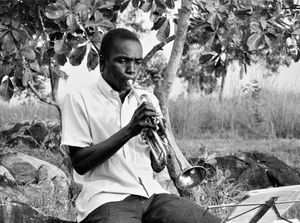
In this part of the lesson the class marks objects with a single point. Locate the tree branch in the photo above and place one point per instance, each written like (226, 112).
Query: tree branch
(40, 96)
(157, 48)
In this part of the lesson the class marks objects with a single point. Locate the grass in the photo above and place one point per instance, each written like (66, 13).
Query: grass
(270, 115)
(13, 112)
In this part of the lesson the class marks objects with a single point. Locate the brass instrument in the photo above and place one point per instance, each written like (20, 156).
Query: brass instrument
(160, 147)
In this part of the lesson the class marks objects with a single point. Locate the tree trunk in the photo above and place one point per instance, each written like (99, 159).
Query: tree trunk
(176, 160)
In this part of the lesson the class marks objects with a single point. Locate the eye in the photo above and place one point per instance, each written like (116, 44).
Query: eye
(138, 62)
(122, 60)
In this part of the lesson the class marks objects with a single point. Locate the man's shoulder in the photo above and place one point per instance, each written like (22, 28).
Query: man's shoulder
(84, 90)
(81, 94)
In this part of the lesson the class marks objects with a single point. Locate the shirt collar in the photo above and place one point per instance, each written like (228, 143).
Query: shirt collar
(106, 89)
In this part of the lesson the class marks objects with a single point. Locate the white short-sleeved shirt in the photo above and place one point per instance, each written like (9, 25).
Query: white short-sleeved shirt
(91, 115)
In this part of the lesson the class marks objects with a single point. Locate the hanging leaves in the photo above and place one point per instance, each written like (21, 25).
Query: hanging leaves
(71, 21)
(77, 55)
(61, 46)
(8, 44)
(61, 59)
(124, 5)
(92, 60)
(55, 11)
(170, 4)
(135, 3)
(164, 31)
(205, 58)
(27, 76)
(146, 5)
(159, 23)
(161, 4)
(6, 90)
(28, 53)
(254, 41)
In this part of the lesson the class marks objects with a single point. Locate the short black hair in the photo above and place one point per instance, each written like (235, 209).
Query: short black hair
(113, 36)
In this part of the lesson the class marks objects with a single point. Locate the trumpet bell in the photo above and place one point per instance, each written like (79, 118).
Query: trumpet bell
(191, 177)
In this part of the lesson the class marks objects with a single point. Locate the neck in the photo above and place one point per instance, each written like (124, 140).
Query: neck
(123, 95)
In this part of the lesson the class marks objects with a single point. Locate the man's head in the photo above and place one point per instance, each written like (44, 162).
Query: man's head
(120, 58)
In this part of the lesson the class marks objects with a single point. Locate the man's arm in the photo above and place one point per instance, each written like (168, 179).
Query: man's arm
(87, 158)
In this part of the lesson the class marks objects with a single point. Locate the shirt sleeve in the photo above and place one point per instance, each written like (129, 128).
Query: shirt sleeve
(75, 122)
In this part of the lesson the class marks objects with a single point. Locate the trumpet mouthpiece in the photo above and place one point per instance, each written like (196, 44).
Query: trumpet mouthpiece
(130, 82)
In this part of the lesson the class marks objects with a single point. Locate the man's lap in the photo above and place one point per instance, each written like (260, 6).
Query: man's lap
(158, 208)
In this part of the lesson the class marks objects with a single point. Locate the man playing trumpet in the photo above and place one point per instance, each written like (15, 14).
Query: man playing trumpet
(101, 126)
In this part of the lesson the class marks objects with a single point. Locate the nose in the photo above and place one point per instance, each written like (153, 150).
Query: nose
(130, 68)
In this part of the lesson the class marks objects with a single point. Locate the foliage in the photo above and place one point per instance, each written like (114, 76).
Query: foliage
(220, 189)
(37, 37)
(224, 31)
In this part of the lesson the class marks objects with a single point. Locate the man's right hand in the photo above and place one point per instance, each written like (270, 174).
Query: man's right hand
(142, 118)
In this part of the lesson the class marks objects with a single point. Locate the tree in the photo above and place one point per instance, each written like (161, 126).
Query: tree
(224, 31)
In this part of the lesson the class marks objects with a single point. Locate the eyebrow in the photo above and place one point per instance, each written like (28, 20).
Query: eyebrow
(129, 58)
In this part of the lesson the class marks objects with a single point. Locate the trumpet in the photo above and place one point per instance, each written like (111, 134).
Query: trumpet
(160, 147)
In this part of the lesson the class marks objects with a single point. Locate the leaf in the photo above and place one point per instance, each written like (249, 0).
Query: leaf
(154, 16)
(159, 22)
(27, 76)
(164, 31)
(213, 20)
(107, 13)
(205, 58)
(124, 5)
(92, 60)
(6, 90)
(28, 53)
(83, 9)
(5, 70)
(19, 35)
(146, 6)
(270, 40)
(287, 61)
(61, 46)
(135, 3)
(220, 71)
(18, 72)
(18, 83)
(3, 28)
(61, 59)
(255, 27)
(96, 39)
(170, 4)
(3, 34)
(296, 57)
(160, 4)
(263, 23)
(35, 66)
(211, 156)
(288, 3)
(55, 11)
(77, 55)
(254, 41)
(227, 173)
(70, 3)
(212, 162)
(71, 21)
(8, 43)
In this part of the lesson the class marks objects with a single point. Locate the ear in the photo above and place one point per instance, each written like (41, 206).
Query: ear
(102, 63)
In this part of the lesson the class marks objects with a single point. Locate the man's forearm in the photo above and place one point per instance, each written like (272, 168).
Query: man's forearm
(85, 159)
